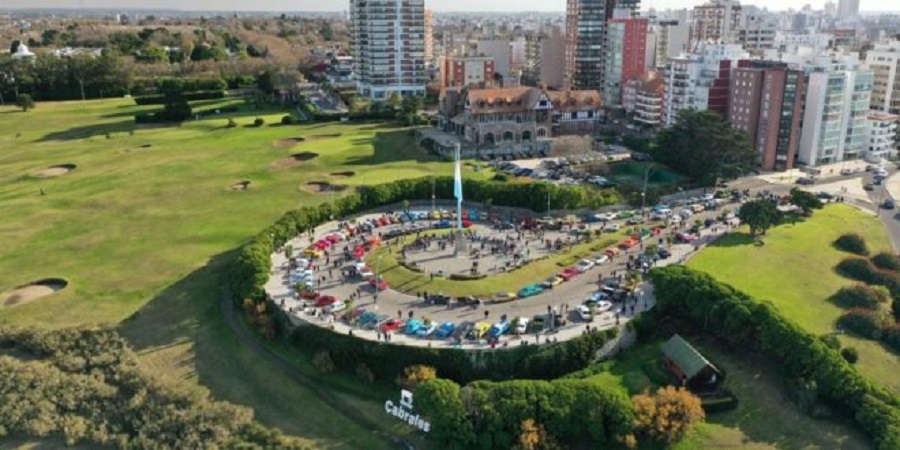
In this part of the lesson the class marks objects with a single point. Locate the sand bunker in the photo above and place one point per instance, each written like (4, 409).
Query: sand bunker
(55, 171)
(32, 291)
(347, 174)
(323, 187)
(242, 185)
(294, 160)
(289, 142)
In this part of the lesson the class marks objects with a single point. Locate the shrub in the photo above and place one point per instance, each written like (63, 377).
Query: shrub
(862, 321)
(852, 243)
(831, 341)
(413, 375)
(850, 355)
(323, 362)
(365, 374)
(859, 269)
(887, 261)
(188, 96)
(667, 416)
(231, 123)
(466, 276)
(502, 177)
(288, 120)
(861, 295)
(891, 336)
(258, 122)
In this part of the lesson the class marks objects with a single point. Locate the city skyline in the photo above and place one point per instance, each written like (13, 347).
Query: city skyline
(436, 5)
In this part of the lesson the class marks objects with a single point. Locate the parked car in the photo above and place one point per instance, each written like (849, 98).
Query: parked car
(379, 284)
(538, 323)
(601, 259)
(825, 195)
(584, 313)
(478, 331)
(869, 187)
(446, 329)
(462, 330)
(602, 306)
(568, 273)
(597, 297)
(888, 204)
(426, 330)
(438, 299)
(530, 290)
(382, 318)
(413, 326)
(502, 297)
(392, 325)
(584, 265)
(806, 181)
(612, 227)
(325, 300)
(664, 253)
(551, 282)
(498, 329)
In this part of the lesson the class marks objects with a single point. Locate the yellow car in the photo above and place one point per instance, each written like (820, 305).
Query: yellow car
(552, 281)
(435, 215)
(313, 253)
(503, 297)
(478, 331)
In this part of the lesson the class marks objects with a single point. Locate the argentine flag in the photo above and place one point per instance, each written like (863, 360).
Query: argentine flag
(457, 183)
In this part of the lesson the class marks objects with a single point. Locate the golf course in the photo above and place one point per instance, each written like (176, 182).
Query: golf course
(138, 222)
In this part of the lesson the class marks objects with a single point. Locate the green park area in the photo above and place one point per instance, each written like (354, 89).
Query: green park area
(385, 260)
(143, 227)
(632, 173)
(795, 270)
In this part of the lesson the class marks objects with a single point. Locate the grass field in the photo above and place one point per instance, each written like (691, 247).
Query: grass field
(405, 280)
(764, 419)
(142, 234)
(795, 270)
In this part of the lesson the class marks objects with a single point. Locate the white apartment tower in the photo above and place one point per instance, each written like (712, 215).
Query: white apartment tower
(835, 122)
(884, 61)
(717, 21)
(388, 46)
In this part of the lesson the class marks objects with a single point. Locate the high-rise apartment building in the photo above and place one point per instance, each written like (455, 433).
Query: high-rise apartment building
(882, 139)
(716, 21)
(835, 120)
(585, 40)
(765, 100)
(884, 61)
(700, 80)
(848, 8)
(671, 40)
(429, 38)
(756, 31)
(388, 46)
(626, 52)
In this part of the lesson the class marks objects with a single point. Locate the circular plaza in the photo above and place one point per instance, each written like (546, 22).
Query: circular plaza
(405, 277)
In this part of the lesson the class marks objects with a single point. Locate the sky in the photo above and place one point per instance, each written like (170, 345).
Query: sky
(437, 5)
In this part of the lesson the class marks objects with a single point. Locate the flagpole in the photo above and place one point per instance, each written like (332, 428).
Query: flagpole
(458, 193)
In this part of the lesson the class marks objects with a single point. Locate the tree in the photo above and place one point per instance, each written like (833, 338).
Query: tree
(535, 437)
(25, 102)
(413, 375)
(668, 415)
(704, 146)
(395, 101)
(759, 215)
(806, 201)
(14, 47)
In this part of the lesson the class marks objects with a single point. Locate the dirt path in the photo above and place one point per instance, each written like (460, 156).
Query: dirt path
(324, 394)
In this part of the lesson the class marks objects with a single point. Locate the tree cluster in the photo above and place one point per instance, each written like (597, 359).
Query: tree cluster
(67, 78)
(704, 147)
(667, 416)
(870, 315)
(488, 415)
(760, 215)
(85, 385)
(734, 317)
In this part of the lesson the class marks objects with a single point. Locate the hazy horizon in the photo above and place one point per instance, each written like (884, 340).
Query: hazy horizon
(437, 5)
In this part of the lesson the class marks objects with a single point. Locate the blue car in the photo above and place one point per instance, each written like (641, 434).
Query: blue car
(498, 329)
(413, 326)
(445, 330)
(444, 224)
(426, 330)
(530, 290)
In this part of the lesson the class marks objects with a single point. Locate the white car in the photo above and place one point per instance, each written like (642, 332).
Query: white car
(612, 227)
(686, 212)
(584, 265)
(602, 306)
(521, 325)
(584, 313)
(675, 219)
(606, 217)
(601, 259)
(337, 306)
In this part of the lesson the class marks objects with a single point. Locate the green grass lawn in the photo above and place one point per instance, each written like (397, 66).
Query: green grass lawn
(795, 270)
(764, 419)
(142, 234)
(405, 280)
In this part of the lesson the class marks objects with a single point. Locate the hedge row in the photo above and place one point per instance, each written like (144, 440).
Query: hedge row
(250, 270)
(745, 323)
(188, 96)
(386, 362)
(487, 415)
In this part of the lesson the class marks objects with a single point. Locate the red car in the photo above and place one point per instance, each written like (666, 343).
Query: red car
(308, 295)
(628, 243)
(392, 325)
(684, 237)
(568, 273)
(382, 221)
(325, 300)
(380, 284)
(466, 223)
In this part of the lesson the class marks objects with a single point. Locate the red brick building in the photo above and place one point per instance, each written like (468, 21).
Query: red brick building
(463, 71)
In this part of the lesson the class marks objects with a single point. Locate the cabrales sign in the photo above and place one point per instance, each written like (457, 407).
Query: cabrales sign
(404, 411)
